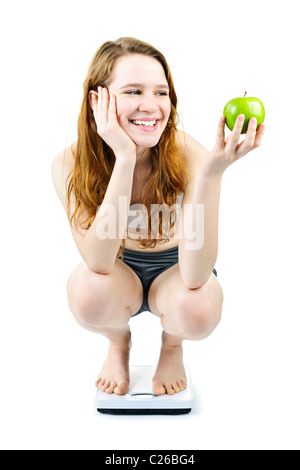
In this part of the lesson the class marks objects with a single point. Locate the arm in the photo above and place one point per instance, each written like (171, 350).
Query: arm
(99, 245)
(198, 246)
(207, 169)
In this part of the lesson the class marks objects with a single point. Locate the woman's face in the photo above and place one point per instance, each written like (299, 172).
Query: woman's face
(142, 94)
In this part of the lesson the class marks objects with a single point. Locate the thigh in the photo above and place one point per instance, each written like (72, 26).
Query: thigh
(165, 284)
(122, 283)
(168, 291)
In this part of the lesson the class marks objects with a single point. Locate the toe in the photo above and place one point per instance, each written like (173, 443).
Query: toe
(99, 383)
(170, 390)
(121, 389)
(175, 387)
(111, 387)
(104, 386)
(158, 389)
(180, 385)
(183, 384)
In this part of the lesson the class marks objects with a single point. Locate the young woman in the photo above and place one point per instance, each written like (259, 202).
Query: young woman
(129, 152)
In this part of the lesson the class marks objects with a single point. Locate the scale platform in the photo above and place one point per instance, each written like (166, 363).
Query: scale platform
(141, 400)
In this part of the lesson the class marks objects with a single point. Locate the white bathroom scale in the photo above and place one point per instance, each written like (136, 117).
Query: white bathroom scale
(141, 400)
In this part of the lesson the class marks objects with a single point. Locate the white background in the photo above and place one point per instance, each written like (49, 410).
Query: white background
(246, 375)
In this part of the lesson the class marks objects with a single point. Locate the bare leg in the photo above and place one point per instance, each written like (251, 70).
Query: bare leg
(114, 375)
(104, 304)
(186, 314)
(170, 375)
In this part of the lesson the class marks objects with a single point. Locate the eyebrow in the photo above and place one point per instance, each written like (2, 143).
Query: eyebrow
(139, 85)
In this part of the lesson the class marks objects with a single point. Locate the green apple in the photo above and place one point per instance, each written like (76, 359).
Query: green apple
(250, 107)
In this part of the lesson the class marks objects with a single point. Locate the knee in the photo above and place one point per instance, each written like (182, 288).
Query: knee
(89, 299)
(198, 315)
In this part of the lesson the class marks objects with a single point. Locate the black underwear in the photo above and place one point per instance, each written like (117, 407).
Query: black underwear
(148, 265)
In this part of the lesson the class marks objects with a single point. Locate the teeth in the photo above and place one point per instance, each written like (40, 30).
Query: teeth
(145, 123)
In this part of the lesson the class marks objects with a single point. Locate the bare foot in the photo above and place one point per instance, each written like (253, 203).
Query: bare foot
(170, 375)
(114, 375)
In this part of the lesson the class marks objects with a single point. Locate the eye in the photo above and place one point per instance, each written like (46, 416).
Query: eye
(162, 93)
(132, 92)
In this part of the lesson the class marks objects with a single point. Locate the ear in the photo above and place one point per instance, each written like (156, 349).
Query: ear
(92, 94)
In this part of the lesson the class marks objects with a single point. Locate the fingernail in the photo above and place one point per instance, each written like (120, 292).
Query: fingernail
(241, 117)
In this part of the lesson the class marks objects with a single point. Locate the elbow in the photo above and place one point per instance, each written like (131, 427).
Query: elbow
(196, 273)
(196, 280)
(193, 284)
(98, 268)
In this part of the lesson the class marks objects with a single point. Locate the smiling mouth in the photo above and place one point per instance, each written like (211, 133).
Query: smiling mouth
(145, 123)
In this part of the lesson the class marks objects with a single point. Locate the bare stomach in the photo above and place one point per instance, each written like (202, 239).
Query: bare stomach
(160, 246)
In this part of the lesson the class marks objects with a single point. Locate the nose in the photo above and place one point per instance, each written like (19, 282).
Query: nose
(148, 103)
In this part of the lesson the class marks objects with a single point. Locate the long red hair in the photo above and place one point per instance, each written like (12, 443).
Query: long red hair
(94, 160)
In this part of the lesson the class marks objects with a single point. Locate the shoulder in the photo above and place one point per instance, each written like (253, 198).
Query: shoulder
(65, 159)
(192, 151)
(193, 154)
(62, 166)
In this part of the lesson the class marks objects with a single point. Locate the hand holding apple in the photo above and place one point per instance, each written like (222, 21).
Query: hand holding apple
(248, 106)
(228, 151)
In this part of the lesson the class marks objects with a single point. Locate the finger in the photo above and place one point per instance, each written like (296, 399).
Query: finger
(104, 106)
(94, 101)
(259, 135)
(253, 138)
(112, 111)
(221, 133)
(251, 132)
(248, 143)
(236, 134)
(98, 107)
